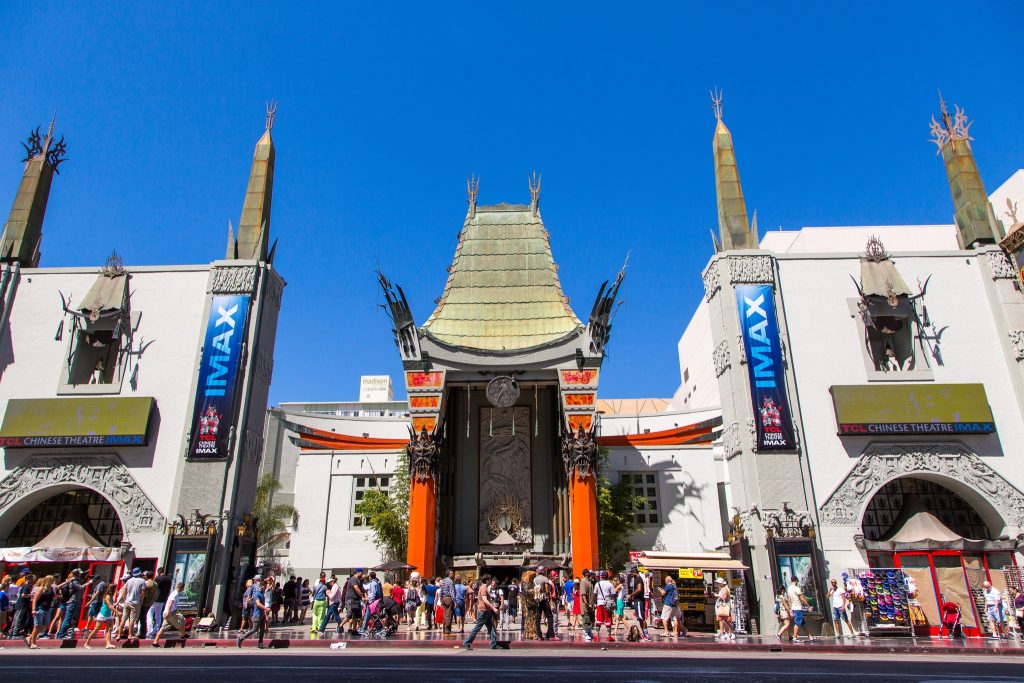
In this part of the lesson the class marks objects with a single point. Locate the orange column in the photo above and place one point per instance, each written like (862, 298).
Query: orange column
(422, 525)
(583, 518)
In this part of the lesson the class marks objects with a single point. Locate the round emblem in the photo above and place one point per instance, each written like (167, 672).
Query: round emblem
(502, 392)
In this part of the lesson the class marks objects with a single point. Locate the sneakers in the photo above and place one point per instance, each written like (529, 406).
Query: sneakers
(553, 638)
(610, 639)
(238, 643)
(466, 647)
(588, 639)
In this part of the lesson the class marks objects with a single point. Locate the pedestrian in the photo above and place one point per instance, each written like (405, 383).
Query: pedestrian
(604, 604)
(398, 595)
(119, 607)
(471, 601)
(278, 602)
(319, 603)
(105, 615)
(797, 602)
(353, 598)
(723, 611)
(487, 612)
(75, 586)
(23, 616)
(671, 617)
(291, 604)
(585, 597)
(43, 596)
(620, 603)
(335, 593)
(1017, 604)
(446, 594)
(134, 589)
(994, 610)
(56, 615)
(544, 593)
(635, 586)
(430, 588)
(5, 607)
(171, 616)
(149, 594)
(570, 600)
(837, 598)
(513, 600)
(262, 593)
(784, 614)
(373, 593)
(97, 590)
(246, 606)
(304, 595)
(460, 604)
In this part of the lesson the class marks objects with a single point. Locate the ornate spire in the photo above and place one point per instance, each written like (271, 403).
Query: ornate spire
(472, 188)
(534, 181)
(734, 229)
(23, 231)
(254, 225)
(976, 222)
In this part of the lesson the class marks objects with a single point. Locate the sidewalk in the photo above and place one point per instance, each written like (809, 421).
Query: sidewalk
(294, 636)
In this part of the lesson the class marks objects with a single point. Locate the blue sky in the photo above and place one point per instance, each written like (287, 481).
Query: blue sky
(386, 108)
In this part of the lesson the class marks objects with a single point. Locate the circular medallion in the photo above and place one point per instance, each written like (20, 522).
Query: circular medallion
(502, 392)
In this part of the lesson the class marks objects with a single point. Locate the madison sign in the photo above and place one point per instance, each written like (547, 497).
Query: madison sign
(914, 409)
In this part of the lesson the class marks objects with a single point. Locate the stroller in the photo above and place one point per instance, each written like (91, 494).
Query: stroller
(951, 620)
(383, 620)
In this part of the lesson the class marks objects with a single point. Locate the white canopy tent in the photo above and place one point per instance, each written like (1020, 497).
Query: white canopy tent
(69, 542)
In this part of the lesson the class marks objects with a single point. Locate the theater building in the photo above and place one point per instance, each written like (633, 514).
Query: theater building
(132, 398)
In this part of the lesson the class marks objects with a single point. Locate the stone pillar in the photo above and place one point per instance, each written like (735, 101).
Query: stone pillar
(579, 454)
(421, 551)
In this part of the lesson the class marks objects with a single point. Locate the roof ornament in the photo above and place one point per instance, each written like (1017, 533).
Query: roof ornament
(271, 113)
(472, 188)
(716, 103)
(114, 267)
(875, 250)
(534, 180)
(1012, 213)
(954, 127)
(34, 145)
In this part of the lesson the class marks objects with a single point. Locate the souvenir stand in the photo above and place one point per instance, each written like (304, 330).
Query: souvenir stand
(883, 597)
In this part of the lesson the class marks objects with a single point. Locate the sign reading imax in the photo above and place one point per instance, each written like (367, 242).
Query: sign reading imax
(760, 330)
(215, 405)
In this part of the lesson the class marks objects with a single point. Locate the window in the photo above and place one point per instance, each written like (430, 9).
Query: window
(644, 485)
(360, 485)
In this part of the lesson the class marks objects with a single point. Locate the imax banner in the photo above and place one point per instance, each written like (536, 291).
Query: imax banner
(214, 410)
(760, 329)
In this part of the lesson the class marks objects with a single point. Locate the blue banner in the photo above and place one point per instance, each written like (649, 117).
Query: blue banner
(215, 405)
(760, 329)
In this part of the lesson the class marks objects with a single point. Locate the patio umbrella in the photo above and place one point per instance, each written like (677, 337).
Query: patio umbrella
(392, 566)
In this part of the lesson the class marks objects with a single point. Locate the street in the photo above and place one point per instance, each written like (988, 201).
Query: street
(560, 666)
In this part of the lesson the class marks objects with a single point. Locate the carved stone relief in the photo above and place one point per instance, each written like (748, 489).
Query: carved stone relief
(751, 270)
(505, 475)
(252, 448)
(752, 429)
(881, 463)
(711, 282)
(1017, 343)
(721, 357)
(105, 474)
(731, 443)
(264, 367)
(234, 280)
(274, 285)
(1000, 266)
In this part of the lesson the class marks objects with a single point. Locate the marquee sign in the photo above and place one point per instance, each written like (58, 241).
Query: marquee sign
(76, 421)
(213, 413)
(760, 329)
(915, 409)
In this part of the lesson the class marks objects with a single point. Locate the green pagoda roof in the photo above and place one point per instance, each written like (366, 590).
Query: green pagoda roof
(503, 292)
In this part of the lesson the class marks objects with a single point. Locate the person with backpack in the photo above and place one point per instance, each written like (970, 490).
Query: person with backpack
(260, 594)
(671, 617)
(604, 608)
(513, 599)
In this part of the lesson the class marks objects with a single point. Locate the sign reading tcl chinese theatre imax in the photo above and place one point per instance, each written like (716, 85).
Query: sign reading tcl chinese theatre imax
(764, 363)
(215, 405)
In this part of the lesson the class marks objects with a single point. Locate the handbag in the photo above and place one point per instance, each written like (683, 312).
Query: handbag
(722, 610)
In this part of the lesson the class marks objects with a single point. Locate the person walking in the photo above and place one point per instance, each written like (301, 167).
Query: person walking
(837, 598)
(43, 596)
(460, 604)
(994, 610)
(104, 617)
(635, 588)
(319, 604)
(586, 602)
(373, 591)
(412, 605)
(620, 603)
(171, 617)
(335, 593)
(446, 595)
(797, 602)
(132, 609)
(75, 587)
(304, 594)
(723, 611)
(785, 614)
(671, 617)
(96, 592)
(291, 605)
(261, 591)
(604, 604)
(353, 596)
(544, 593)
(430, 588)
(5, 608)
(487, 611)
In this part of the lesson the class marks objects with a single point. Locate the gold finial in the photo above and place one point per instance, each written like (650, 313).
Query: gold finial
(716, 103)
(271, 113)
(955, 127)
(472, 187)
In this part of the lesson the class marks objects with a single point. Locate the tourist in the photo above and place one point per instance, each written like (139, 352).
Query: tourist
(319, 604)
(304, 594)
(275, 608)
(353, 596)
(412, 605)
(75, 587)
(994, 610)
(262, 593)
(397, 593)
(149, 595)
(246, 605)
(784, 613)
(119, 607)
(547, 599)
(604, 604)
(837, 598)
(513, 600)
(446, 596)
(171, 616)
(43, 596)
(723, 611)
(557, 597)
(570, 599)
(5, 607)
(291, 604)
(460, 604)
(373, 591)
(487, 613)
(671, 617)
(471, 601)
(132, 608)
(797, 602)
(335, 605)
(585, 599)
(430, 588)
(23, 617)
(104, 616)
(620, 603)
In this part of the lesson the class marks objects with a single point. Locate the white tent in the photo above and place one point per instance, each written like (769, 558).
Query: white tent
(69, 542)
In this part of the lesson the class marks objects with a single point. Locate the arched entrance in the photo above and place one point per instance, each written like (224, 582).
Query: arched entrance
(922, 525)
(80, 505)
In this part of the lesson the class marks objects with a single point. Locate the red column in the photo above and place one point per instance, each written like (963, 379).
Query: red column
(422, 525)
(583, 518)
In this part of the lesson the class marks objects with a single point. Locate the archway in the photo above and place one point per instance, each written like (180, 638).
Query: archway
(80, 505)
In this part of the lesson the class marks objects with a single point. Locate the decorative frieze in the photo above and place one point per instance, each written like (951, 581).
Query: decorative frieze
(252, 447)
(105, 474)
(1000, 266)
(711, 282)
(1017, 344)
(731, 443)
(721, 357)
(881, 463)
(234, 280)
(264, 367)
(752, 429)
(751, 270)
(274, 285)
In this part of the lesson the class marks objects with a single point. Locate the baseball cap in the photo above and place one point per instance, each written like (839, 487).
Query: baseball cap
(358, 571)
(25, 570)
(136, 571)
(258, 577)
(720, 580)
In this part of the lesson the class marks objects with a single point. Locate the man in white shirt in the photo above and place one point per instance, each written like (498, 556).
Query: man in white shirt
(837, 597)
(797, 602)
(171, 616)
(605, 607)
(994, 610)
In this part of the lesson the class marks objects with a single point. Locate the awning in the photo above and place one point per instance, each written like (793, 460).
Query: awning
(68, 535)
(707, 561)
(30, 554)
(106, 295)
(79, 421)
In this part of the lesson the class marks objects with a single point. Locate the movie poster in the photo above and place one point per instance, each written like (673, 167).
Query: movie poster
(215, 403)
(760, 329)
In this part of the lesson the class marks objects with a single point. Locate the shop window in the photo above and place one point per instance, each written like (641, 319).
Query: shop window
(360, 485)
(645, 486)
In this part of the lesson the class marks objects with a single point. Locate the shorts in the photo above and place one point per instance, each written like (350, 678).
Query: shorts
(603, 615)
(354, 611)
(995, 613)
(839, 614)
(640, 607)
(176, 620)
(670, 612)
(588, 618)
(460, 609)
(798, 617)
(41, 618)
(620, 607)
(94, 608)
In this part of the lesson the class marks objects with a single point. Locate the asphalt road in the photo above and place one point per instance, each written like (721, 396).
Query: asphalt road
(205, 666)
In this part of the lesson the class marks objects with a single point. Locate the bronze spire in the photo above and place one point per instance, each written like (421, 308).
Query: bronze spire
(23, 231)
(975, 221)
(254, 225)
(733, 227)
